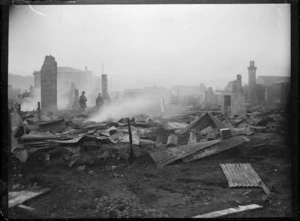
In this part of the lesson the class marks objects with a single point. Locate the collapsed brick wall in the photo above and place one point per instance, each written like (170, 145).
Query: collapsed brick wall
(49, 84)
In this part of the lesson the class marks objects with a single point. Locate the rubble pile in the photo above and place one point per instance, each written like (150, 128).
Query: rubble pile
(69, 138)
(80, 141)
(77, 139)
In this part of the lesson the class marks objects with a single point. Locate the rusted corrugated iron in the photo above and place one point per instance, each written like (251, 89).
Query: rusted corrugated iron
(167, 156)
(219, 147)
(241, 175)
(206, 120)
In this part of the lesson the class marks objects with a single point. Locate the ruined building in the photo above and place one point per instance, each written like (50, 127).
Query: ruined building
(267, 89)
(49, 84)
(276, 89)
(183, 96)
(83, 80)
(252, 82)
(154, 95)
(233, 98)
(65, 76)
(211, 99)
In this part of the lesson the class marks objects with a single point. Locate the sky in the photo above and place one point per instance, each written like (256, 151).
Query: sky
(153, 45)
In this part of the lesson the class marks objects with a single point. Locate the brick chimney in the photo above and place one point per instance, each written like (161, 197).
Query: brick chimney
(49, 84)
(252, 81)
(104, 87)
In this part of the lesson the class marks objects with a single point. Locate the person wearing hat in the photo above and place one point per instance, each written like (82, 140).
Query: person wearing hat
(82, 101)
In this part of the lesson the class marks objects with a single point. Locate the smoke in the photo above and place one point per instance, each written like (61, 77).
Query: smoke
(63, 95)
(127, 107)
(31, 103)
(91, 93)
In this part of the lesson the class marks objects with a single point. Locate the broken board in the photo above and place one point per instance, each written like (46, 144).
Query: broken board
(229, 211)
(19, 197)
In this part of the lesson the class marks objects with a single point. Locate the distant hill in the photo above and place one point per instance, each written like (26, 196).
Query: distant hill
(19, 81)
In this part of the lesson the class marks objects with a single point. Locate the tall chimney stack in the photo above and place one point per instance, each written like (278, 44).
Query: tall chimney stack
(104, 87)
(49, 84)
(252, 81)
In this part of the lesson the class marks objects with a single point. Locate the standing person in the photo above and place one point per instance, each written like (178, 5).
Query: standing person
(82, 101)
(99, 101)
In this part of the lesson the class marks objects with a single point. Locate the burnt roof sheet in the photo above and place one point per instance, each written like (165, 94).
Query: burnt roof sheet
(167, 156)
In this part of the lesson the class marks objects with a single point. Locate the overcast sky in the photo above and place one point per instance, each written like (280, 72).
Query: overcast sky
(147, 45)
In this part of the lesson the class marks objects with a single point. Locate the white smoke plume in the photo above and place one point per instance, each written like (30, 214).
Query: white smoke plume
(31, 103)
(127, 107)
(63, 96)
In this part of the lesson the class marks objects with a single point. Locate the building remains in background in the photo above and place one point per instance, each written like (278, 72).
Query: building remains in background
(268, 90)
(212, 99)
(233, 98)
(154, 96)
(183, 96)
(49, 84)
(66, 76)
(276, 89)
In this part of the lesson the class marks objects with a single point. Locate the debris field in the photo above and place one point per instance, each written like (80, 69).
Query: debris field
(194, 164)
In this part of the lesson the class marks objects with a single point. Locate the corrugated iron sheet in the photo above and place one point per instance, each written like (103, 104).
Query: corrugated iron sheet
(167, 156)
(219, 147)
(241, 175)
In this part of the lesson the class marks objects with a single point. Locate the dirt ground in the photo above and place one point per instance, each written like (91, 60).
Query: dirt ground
(176, 190)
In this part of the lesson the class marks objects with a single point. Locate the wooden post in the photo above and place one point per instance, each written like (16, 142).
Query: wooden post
(129, 131)
(131, 156)
(39, 111)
